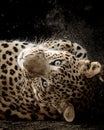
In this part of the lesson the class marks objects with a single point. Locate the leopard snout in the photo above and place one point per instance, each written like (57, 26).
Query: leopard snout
(36, 65)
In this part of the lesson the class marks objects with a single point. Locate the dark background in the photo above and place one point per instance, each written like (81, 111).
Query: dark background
(81, 21)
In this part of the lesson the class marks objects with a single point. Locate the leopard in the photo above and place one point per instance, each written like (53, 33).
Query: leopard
(52, 80)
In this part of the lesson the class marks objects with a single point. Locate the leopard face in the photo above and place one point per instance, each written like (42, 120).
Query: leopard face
(59, 78)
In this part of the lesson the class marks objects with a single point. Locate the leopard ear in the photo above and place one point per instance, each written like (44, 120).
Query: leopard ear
(88, 68)
(69, 113)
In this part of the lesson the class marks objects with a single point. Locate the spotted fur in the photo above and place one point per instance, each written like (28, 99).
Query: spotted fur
(45, 81)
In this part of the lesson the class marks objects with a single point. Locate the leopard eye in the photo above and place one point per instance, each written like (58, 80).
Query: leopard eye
(56, 62)
(44, 83)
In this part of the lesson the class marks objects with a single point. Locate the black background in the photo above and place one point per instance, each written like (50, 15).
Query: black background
(81, 21)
